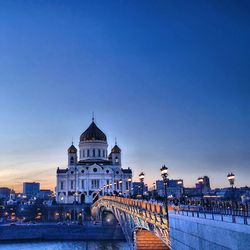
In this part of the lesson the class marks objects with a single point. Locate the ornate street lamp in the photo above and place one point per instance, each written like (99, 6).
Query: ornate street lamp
(141, 177)
(129, 184)
(231, 178)
(180, 182)
(164, 175)
(120, 184)
(200, 180)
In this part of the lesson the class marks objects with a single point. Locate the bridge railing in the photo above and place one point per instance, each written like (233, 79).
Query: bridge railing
(152, 212)
(153, 207)
(227, 214)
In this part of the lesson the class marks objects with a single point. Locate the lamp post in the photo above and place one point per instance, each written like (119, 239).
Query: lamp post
(164, 174)
(231, 178)
(120, 183)
(129, 185)
(154, 190)
(180, 184)
(114, 188)
(141, 177)
(110, 187)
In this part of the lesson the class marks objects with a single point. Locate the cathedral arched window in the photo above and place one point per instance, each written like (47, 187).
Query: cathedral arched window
(88, 153)
(83, 153)
(103, 153)
(72, 160)
(99, 152)
(93, 153)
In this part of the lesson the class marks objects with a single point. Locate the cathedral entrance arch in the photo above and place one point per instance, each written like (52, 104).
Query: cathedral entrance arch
(82, 198)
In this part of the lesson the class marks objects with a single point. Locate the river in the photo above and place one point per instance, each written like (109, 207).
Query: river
(66, 245)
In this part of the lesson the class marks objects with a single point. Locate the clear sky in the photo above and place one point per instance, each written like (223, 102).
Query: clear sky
(169, 79)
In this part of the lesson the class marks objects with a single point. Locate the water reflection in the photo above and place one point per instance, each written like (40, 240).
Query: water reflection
(72, 245)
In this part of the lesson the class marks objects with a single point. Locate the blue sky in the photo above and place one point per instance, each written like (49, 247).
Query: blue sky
(169, 79)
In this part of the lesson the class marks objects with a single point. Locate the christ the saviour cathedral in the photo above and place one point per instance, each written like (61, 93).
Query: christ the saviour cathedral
(91, 171)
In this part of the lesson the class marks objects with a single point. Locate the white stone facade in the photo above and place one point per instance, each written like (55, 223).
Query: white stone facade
(95, 174)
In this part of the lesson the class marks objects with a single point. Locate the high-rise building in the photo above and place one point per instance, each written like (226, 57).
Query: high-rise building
(31, 188)
(203, 185)
(174, 188)
(206, 185)
(138, 188)
(4, 193)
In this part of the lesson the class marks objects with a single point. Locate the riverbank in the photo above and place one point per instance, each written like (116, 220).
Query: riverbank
(88, 232)
(65, 245)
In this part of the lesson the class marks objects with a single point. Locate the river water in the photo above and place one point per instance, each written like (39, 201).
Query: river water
(66, 245)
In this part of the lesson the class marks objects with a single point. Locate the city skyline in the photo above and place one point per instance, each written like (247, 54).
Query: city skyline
(172, 89)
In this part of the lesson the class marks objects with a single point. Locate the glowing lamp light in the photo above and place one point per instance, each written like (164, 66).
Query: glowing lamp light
(179, 182)
(200, 180)
(141, 176)
(164, 172)
(129, 179)
(231, 178)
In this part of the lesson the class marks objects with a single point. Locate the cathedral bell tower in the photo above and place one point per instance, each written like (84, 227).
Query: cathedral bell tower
(72, 155)
(115, 155)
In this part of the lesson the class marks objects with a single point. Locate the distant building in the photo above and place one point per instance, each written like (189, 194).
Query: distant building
(31, 188)
(45, 194)
(174, 188)
(12, 198)
(229, 193)
(192, 192)
(4, 193)
(138, 187)
(206, 185)
(203, 185)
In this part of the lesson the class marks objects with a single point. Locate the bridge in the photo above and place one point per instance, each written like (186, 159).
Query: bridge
(145, 225)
